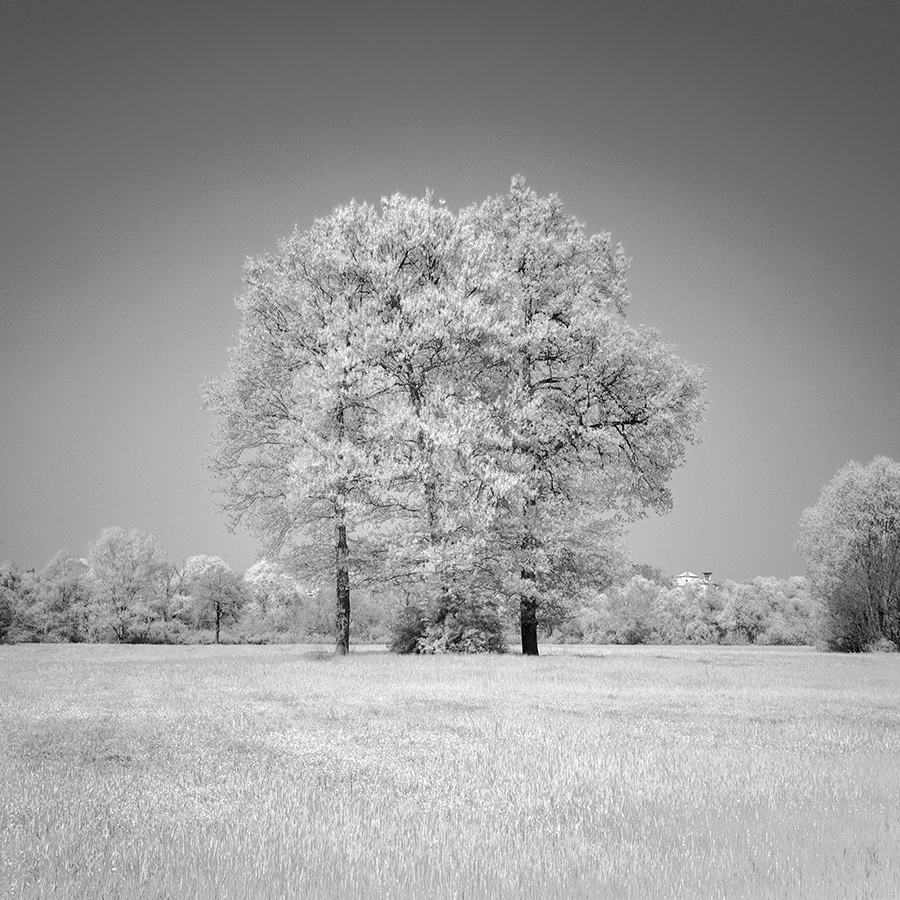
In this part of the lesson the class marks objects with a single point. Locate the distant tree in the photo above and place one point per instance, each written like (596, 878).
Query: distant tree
(10, 594)
(275, 604)
(62, 599)
(768, 611)
(651, 573)
(851, 541)
(800, 615)
(746, 612)
(18, 594)
(216, 589)
(129, 574)
(633, 612)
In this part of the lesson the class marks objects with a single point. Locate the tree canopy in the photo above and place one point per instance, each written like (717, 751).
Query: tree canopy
(851, 541)
(448, 408)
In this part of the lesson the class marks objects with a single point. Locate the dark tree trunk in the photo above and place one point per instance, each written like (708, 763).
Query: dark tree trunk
(528, 621)
(528, 602)
(218, 620)
(342, 592)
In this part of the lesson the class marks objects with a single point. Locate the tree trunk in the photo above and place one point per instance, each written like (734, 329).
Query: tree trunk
(430, 490)
(342, 592)
(528, 621)
(528, 602)
(342, 554)
(218, 620)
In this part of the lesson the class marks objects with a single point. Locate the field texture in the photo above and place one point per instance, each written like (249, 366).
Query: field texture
(241, 772)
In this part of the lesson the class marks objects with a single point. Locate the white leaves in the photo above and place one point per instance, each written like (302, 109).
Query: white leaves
(857, 511)
(435, 376)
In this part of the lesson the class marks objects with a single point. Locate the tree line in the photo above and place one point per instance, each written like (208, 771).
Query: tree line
(654, 610)
(126, 591)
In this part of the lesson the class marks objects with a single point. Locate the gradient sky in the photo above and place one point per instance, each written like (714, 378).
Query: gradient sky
(746, 155)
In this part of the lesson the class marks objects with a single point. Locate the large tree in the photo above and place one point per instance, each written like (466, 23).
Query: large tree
(596, 414)
(429, 279)
(450, 405)
(292, 412)
(349, 403)
(851, 541)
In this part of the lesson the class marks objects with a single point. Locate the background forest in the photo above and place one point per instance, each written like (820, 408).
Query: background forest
(127, 591)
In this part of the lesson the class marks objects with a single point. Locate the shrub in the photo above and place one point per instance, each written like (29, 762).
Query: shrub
(882, 645)
(457, 636)
(464, 627)
(698, 632)
(407, 628)
(454, 625)
(171, 632)
(850, 625)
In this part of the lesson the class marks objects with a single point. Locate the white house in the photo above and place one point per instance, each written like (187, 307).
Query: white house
(703, 581)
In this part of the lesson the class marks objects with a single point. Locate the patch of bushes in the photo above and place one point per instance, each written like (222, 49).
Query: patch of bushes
(455, 625)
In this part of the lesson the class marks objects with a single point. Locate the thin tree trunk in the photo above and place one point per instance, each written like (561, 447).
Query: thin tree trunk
(342, 588)
(218, 620)
(528, 601)
(342, 555)
(430, 490)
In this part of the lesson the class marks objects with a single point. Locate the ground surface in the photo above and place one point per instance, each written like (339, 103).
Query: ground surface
(243, 772)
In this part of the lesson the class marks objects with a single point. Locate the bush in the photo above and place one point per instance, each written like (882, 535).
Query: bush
(171, 632)
(407, 629)
(850, 626)
(454, 625)
(464, 627)
(698, 632)
(882, 645)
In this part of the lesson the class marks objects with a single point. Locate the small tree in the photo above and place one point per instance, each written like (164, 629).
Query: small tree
(851, 541)
(10, 600)
(217, 591)
(60, 610)
(129, 573)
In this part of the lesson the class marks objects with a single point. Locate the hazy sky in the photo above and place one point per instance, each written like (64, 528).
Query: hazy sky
(746, 154)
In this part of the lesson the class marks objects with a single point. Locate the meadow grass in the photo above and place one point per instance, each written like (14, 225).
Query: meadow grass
(271, 772)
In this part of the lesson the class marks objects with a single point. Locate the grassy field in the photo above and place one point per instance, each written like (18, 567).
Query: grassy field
(241, 772)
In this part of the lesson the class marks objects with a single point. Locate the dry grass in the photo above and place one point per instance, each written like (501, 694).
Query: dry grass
(201, 772)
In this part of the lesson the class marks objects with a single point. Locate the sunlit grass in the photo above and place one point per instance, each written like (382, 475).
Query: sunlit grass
(240, 772)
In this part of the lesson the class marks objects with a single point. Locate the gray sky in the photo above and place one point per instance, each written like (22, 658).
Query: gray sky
(746, 154)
